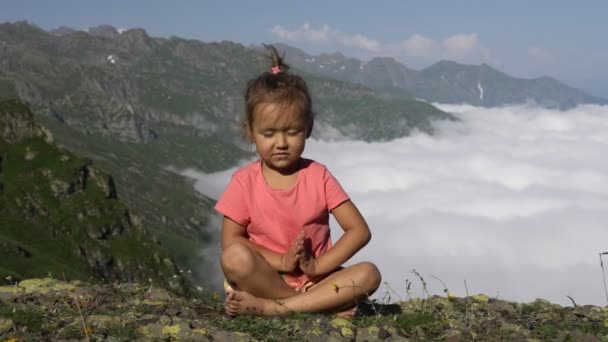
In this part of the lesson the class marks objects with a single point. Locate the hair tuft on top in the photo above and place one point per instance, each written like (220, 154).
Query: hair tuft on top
(276, 59)
(280, 87)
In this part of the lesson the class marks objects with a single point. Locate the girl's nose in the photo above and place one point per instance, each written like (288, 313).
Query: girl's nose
(281, 140)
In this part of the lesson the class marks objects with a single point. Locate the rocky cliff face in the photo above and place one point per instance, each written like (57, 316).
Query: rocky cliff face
(61, 215)
(48, 309)
(17, 124)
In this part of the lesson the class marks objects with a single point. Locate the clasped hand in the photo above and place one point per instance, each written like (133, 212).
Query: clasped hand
(300, 255)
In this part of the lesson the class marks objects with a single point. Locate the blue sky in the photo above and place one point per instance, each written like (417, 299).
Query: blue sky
(563, 39)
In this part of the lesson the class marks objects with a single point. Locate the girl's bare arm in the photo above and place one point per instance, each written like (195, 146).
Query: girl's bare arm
(356, 235)
(232, 232)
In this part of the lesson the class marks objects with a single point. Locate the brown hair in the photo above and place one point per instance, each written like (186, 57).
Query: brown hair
(277, 85)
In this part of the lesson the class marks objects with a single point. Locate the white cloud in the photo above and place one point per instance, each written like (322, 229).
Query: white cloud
(513, 200)
(303, 33)
(306, 33)
(465, 48)
(461, 43)
(539, 54)
(358, 41)
(420, 51)
(420, 46)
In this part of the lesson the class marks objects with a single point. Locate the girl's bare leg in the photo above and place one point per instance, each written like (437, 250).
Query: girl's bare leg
(353, 284)
(247, 270)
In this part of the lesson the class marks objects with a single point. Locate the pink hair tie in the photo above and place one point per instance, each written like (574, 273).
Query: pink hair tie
(275, 70)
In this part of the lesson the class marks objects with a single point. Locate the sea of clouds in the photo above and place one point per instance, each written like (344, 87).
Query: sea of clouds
(512, 200)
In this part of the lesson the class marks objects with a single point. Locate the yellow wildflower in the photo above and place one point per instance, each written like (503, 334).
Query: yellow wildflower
(216, 295)
(451, 296)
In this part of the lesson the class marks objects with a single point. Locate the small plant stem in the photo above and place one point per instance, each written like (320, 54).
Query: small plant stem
(466, 288)
(445, 288)
(354, 287)
(393, 291)
(604, 274)
(84, 327)
(572, 300)
(424, 289)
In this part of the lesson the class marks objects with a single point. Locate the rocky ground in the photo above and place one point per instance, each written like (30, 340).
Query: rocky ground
(48, 309)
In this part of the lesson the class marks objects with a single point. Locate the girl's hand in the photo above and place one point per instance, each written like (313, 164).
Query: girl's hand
(308, 262)
(289, 260)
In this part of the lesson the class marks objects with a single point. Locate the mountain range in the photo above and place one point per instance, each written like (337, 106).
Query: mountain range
(442, 82)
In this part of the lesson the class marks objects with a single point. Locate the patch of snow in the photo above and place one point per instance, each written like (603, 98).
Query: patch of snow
(121, 30)
(480, 90)
(321, 66)
(310, 60)
(342, 67)
(111, 59)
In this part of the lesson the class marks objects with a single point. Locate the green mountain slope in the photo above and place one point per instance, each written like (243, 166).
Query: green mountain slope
(61, 216)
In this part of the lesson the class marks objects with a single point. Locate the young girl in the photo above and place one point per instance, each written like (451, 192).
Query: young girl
(277, 254)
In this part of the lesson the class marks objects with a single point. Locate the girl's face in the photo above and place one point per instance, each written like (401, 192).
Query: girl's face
(279, 134)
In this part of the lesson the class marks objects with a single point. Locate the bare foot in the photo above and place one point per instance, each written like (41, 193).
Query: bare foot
(243, 303)
(348, 313)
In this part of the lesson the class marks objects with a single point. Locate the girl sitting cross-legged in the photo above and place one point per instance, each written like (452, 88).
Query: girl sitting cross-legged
(277, 255)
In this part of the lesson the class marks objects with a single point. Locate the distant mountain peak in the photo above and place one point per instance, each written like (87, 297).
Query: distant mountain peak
(62, 31)
(384, 59)
(104, 31)
(336, 54)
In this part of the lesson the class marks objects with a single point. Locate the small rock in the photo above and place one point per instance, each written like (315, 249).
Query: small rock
(505, 309)
(383, 334)
(8, 292)
(60, 188)
(30, 155)
(453, 338)
(45, 285)
(347, 333)
(587, 311)
(480, 298)
(6, 325)
(173, 311)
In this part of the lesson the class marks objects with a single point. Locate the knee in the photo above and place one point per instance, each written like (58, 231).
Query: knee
(237, 261)
(371, 276)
